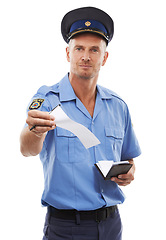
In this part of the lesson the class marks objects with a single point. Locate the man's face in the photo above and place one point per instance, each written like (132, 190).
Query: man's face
(86, 54)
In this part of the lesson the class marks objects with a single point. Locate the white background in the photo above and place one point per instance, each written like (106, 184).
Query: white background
(32, 53)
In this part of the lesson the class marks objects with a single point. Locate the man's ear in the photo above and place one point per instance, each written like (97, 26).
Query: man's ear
(67, 54)
(105, 58)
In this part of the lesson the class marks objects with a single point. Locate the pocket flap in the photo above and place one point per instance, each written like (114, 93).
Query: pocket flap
(61, 132)
(114, 132)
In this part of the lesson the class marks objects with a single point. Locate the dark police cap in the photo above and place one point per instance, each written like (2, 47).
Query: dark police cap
(87, 19)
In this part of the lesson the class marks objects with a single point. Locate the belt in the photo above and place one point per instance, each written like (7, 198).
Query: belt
(97, 215)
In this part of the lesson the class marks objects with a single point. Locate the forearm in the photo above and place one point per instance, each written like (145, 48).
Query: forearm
(30, 143)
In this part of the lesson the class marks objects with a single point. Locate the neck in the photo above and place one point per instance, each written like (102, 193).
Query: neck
(85, 90)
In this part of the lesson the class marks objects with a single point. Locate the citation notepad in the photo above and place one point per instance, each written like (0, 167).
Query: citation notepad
(110, 169)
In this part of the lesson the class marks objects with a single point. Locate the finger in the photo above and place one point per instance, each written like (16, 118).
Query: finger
(114, 179)
(40, 114)
(126, 176)
(121, 181)
(43, 129)
(40, 122)
(40, 118)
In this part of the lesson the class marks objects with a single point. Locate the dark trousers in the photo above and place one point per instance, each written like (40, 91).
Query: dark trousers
(61, 229)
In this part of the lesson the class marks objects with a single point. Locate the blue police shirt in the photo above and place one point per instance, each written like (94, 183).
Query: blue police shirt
(71, 181)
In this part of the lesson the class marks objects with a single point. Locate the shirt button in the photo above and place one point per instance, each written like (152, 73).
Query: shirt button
(92, 122)
(102, 190)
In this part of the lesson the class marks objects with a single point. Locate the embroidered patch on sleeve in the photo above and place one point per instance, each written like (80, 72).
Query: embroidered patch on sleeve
(36, 103)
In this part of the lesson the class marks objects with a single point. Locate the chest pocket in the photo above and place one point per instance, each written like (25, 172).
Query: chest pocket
(69, 149)
(113, 143)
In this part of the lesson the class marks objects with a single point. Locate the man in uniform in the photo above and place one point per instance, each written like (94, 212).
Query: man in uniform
(81, 204)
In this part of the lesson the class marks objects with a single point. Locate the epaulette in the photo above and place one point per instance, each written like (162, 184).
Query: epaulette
(110, 93)
(44, 90)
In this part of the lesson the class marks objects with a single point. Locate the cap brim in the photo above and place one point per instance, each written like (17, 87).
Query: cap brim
(87, 30)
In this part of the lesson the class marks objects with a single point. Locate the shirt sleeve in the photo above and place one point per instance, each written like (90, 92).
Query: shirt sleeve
(130, 148)
(38, 102)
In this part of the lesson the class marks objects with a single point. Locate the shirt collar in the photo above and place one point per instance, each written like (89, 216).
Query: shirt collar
(104, 93)
(66, 92)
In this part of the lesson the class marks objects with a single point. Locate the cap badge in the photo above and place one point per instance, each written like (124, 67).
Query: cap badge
(87, 23)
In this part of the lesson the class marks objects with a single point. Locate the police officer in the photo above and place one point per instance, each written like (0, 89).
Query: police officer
(81, 204)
